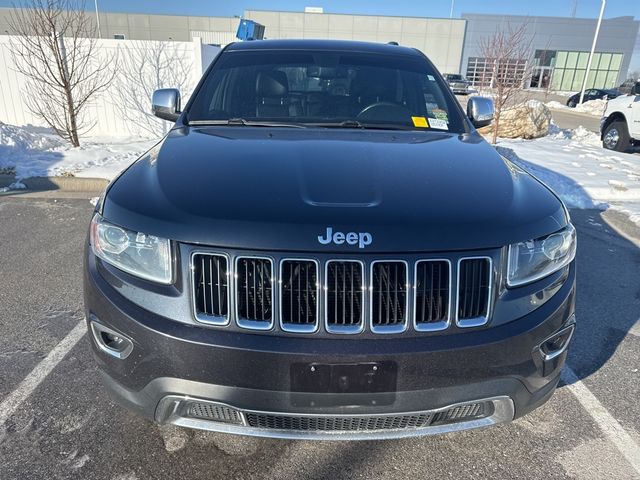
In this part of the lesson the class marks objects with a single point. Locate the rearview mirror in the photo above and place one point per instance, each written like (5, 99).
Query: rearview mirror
(480, 111)
(165, 104)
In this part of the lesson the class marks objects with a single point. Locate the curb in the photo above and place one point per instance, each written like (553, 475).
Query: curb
(70, 184)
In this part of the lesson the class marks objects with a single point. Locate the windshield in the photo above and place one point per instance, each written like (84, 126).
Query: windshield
(318, 88)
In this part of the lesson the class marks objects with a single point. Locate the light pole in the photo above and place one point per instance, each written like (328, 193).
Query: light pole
(593, 48)
(451, 12)
(97, 18)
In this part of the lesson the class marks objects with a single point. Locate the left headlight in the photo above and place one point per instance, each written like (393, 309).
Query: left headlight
(535, 259)
(139, 254)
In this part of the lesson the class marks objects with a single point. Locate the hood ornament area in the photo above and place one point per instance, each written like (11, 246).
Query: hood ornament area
(362, 239)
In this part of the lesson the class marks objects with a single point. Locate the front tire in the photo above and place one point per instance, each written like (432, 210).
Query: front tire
(616, 137)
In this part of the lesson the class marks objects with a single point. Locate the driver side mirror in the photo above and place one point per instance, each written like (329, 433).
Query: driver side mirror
(480, 111)
(165, 104)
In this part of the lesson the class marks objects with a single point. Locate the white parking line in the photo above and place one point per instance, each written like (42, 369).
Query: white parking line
(38, 374)
(609, 425)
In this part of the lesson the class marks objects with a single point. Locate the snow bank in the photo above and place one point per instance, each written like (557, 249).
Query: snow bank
(35, 152)
(592, 107)
(579, 170)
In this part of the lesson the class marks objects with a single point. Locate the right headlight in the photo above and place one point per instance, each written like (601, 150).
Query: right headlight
(535, 259)
(142, 255)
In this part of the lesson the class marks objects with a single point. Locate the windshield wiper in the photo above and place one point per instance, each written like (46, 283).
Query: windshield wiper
(363, 126)
(244, 122)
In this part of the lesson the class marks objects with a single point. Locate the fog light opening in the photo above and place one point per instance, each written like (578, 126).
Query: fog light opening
(111, 342)
(556, 344)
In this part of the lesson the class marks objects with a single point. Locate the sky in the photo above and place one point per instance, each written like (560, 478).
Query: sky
(418, 8)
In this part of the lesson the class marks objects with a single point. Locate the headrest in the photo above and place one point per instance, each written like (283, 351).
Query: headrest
(272, 84)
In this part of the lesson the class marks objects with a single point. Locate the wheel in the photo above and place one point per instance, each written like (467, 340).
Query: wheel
(616, 137)
(571, 104)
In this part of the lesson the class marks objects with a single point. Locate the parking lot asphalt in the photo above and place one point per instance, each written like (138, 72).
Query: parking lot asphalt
(60, 424)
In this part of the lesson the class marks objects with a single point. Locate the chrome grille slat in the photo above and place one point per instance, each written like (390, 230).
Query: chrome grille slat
(474, 291)
(299, 295)
(389, 298)
(254, 292)
(211, 288)
(432, 295)
(344, 296)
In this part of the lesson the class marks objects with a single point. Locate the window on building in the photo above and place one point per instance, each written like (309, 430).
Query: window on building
(571, 68)
(119, 36)
(482, 72)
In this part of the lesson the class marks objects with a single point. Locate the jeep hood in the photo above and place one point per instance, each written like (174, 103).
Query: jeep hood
(280, 188)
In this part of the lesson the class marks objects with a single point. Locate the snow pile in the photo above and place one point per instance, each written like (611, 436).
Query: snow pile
(35, 152)
(592, 107)
(579, 170)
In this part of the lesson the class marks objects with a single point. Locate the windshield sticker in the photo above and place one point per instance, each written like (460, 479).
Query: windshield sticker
(437, 123)
(430, 77)
(440, 114)
(420, 122)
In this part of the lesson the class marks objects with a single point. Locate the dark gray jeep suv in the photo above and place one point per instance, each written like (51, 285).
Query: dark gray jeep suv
(324, 247)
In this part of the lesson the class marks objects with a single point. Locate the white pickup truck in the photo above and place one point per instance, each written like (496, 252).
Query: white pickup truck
(620, 125)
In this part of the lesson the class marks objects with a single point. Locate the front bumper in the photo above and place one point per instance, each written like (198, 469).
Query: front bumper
(173, 365)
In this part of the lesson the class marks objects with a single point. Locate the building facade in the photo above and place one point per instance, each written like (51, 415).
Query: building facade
(559, 46)
(559, 50)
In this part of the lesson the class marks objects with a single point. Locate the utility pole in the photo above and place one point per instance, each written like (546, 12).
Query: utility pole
(593, 48)
(451, 12)
(97, 18)
(575, 7)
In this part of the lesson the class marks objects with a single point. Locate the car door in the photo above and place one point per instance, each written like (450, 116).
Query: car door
(634, 105)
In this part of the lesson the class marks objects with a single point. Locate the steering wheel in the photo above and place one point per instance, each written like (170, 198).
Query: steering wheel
(385, 111)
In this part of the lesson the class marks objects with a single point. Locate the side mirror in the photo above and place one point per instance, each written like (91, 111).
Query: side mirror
(636, 89)
(480, 111)
(165, 104)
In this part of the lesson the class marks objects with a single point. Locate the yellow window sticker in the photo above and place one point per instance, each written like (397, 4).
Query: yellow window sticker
(420, 122)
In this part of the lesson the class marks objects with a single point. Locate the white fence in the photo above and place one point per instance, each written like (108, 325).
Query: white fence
(123, 109)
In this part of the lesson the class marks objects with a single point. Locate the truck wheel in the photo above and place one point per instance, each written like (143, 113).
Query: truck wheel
(616, 137)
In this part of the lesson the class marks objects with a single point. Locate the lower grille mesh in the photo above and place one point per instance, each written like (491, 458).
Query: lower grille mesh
(213, 412)
(342, 423)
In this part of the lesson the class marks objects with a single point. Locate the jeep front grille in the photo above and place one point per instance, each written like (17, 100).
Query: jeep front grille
(299, 295)
(211, 288)
(389, 296)
(344, 296)
(254, 292)
(474, 289)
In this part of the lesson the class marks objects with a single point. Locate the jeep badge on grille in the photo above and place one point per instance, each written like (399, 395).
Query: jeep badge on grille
(362, 239)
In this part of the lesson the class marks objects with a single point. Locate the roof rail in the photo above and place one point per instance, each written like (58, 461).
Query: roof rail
(393, 42)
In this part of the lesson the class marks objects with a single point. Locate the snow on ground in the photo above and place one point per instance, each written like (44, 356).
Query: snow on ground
(585, 175)
(35, 152)
(592, 107)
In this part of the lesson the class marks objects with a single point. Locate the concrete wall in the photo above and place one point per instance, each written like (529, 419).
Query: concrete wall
(617, 35)
(137, 26)
(440, 39)
(113, 111)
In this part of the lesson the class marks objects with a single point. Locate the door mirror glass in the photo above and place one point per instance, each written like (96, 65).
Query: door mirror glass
(480, 111)
(165, 104)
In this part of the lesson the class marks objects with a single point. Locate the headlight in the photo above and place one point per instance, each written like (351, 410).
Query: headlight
(142, 255)
(534, 259)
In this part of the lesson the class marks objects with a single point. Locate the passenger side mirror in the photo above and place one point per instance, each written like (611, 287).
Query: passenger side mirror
(480, 111)
(165, 104)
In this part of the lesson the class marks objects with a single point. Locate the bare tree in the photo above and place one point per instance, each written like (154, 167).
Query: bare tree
(145, 67)
(54, 47)
(507, 54)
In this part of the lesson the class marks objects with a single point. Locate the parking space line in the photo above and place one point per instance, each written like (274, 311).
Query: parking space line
(609, 425)
(40, 372)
